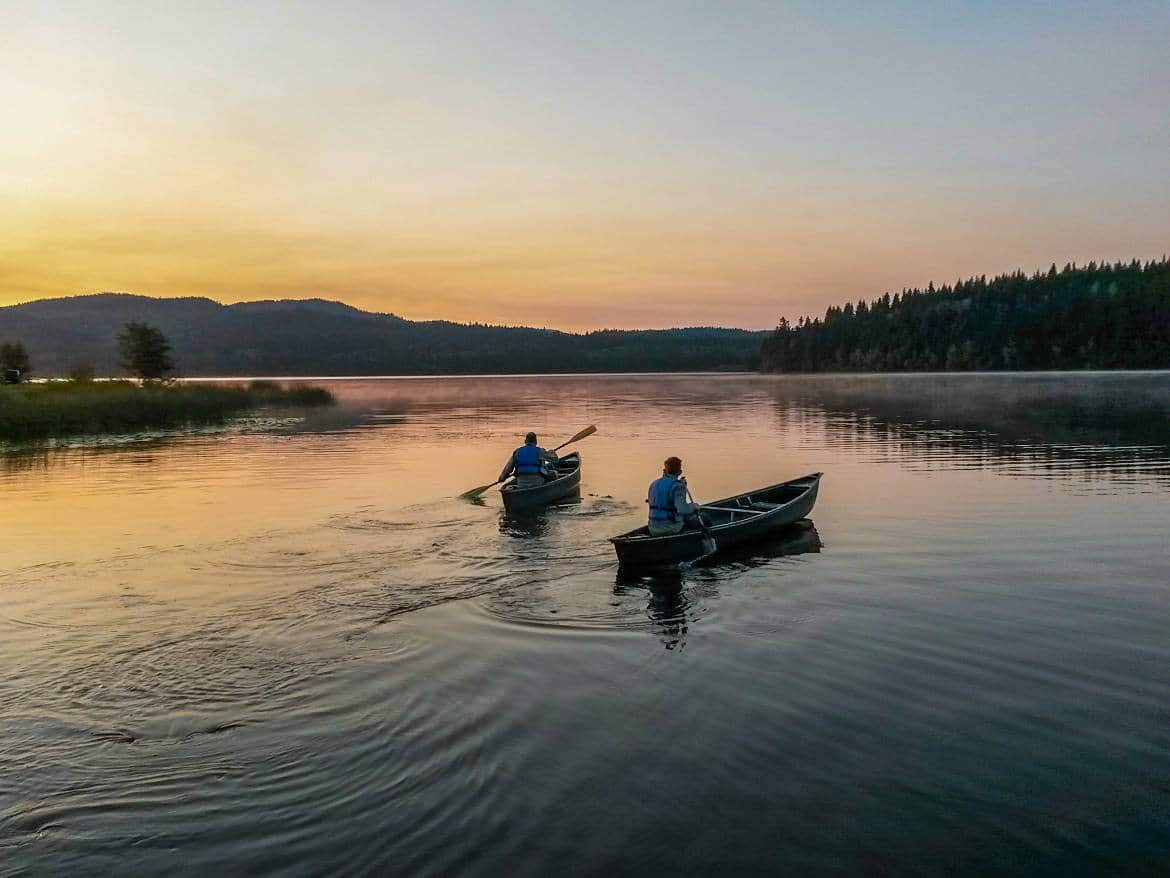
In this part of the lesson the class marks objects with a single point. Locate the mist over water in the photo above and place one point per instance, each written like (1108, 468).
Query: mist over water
(286, 648)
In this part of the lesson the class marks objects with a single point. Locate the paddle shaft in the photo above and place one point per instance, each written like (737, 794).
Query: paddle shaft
(699, 515)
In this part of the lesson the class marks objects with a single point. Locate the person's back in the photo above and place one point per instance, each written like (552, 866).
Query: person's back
(529, 470)
(529, 463)
(667, 497)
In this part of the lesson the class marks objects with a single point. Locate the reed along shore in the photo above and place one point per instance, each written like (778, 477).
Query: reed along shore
(69, 408)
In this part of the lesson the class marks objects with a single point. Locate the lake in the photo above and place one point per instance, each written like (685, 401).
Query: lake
(287, 648)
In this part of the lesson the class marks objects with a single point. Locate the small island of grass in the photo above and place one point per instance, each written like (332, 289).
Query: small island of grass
(30, 412)
(84, 407)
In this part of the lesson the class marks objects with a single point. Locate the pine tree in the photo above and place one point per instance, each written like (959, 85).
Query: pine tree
(146, 353)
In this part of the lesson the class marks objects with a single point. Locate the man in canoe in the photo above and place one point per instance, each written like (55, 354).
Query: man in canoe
(531, 464)
(670, 510)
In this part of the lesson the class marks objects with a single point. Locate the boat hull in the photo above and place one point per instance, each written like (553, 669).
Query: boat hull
(529, 499)
(735, 520)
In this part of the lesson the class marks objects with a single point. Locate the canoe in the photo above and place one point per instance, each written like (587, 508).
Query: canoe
(731, 522)
(566, 484)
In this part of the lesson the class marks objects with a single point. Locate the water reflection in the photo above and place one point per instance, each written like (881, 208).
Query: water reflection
(528, 525)
(269, 649)
(534, 522)
(1112, 428)
(1107, 427)
(667, 608)
(674, 594)
(25, 460)
(799, 538)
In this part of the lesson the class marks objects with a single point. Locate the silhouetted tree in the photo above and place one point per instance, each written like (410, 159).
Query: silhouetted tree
(146, 353)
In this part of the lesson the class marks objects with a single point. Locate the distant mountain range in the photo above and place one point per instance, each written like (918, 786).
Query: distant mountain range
(318, 337)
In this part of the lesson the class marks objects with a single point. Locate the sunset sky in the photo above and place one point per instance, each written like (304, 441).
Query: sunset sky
(574, 165)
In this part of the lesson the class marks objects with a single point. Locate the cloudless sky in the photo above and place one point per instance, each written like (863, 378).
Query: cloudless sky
(574, 164)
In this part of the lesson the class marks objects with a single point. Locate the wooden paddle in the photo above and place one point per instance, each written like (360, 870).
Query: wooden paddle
(709, 545)
(475, 492)
(588, 431)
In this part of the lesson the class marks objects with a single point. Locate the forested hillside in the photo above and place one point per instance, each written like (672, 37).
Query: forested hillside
(1099, 316)
(315, 337)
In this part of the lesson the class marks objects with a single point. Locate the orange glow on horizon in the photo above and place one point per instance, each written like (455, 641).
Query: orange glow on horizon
(564, 169)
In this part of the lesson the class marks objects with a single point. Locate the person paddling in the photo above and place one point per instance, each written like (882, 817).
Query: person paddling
(530, 463)
(670, 510)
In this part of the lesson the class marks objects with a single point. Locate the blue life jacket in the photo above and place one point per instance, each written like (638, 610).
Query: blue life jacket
(662, 506)
(528, 459)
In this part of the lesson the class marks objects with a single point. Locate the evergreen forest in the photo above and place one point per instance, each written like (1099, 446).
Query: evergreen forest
(1096, 316)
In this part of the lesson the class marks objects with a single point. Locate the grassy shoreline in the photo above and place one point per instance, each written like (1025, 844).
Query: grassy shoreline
(29, 412)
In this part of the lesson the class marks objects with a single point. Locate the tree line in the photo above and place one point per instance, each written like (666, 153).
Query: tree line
(1097, 316)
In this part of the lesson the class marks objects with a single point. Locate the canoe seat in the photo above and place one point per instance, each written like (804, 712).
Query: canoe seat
(765, 507)
(738, 509)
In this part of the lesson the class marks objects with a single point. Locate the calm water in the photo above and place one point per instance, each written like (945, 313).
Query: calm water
(288, 650)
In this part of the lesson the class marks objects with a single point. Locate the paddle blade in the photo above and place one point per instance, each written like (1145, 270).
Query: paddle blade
(588, 431)
(475, 492)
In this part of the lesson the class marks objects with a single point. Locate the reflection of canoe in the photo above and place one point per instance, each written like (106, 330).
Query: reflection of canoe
(798, 538)
(567, 481)
(732, 521)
